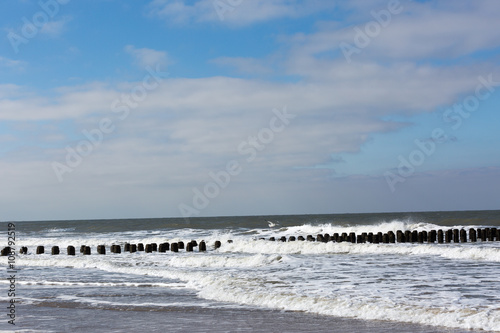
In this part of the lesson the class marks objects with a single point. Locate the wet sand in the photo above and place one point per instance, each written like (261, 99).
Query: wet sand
(43, 318)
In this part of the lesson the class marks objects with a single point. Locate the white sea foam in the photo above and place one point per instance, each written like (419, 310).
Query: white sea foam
(452, 285)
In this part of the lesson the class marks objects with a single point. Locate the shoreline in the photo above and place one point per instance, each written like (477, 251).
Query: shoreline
(199, 319)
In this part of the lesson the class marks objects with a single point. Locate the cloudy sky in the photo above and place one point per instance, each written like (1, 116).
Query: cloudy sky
(166, 108)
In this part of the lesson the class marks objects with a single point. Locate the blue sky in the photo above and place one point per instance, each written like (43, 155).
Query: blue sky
(115, 109)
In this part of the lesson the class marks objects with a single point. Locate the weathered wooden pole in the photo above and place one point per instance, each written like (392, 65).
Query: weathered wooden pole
(432, 236)
(291, 239)
(148, 248)
(71, 250)
(392, 237)
(154, 247)
(472, 235)
(180, 245)
(23, 250)
(352, 237)
(400, 236)
(425, 236)
(126, 247)
(40, 249)
(133, 248)
(272, 239)
(456, 236)
(174, 247)
(140, 247)
(448, 235)
(301, 238)
(463, 236)
(82, 249)
(217, 244)
(440, 236)
(6, 251)
(370, 237)
(282, 239)
(202, 247)
(414, 236)
(189, 247)
(101, 249)
(87, 250)
(310, 238)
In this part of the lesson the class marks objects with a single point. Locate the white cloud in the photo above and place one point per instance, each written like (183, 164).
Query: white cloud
(55, 28)
(236, 13)
(145, 57)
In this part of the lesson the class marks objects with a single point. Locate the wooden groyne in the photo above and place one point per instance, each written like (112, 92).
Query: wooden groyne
(430, 237)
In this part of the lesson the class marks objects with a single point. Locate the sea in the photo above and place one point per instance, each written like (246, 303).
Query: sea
(250, 283)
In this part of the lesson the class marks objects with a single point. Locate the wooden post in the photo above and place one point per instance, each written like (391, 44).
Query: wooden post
(424, 236)
(101, 249)
(480, 234)
(291, 239)
(118, 249)
(174, 247)
(282, 238)
(87, 250)
(217, 244)
(432, 236)
(82, 248)
(126, 247)
(319, 238)
(335, 237)
(6, 251)
(370, 237)
(189, 247)
(301, 238)
(385, 238)
(71, 250)
(448, 235)
(140, 247)
(440, 236)
(420, 237)
(40, 249)
(149, 248)
(24, 250)
(327, 238)
(310, 238)
(133, 248)
(408, 236)
(392, 237)
(456, 236)
(400, 236)
(414, 236)
(472, 235)
(180, 245)
(352, 237)
(463, 236)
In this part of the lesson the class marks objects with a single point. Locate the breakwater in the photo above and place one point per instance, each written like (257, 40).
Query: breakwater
(408, 236)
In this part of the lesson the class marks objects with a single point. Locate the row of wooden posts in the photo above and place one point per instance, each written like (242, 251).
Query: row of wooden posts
(101, 249)
(439, 236)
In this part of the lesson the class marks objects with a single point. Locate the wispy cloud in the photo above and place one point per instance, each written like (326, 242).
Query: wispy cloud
(144, 57)
(55, 28)
(240, 13)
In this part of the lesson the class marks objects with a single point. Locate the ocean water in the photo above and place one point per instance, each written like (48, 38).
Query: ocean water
(256, 285)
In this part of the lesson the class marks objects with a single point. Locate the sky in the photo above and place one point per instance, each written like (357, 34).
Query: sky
(176, 108)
